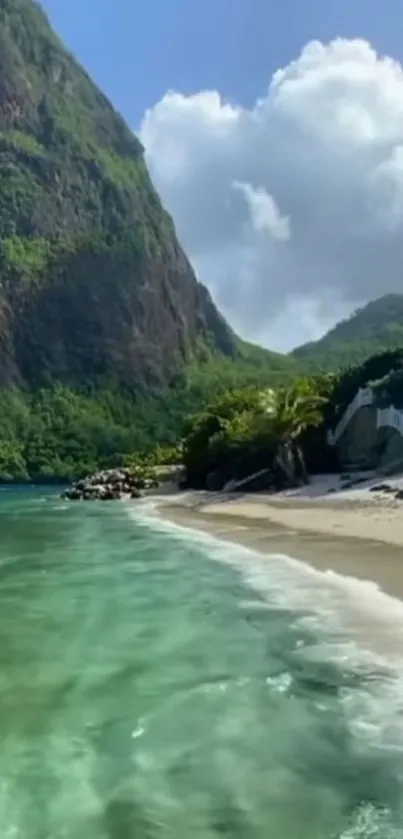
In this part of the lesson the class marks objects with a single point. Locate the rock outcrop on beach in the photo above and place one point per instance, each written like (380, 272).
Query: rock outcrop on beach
(109, 485)
(115, 484)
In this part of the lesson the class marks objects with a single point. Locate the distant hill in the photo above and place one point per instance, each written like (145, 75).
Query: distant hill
(373, 328)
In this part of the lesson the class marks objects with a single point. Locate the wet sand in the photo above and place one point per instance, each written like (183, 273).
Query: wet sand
(358, 539)
(358, 513)
(361, 580)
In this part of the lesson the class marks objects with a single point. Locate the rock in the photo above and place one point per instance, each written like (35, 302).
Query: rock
(399, 495)
(381, 488)
(110, 494)
(72, 495)
(108, 485)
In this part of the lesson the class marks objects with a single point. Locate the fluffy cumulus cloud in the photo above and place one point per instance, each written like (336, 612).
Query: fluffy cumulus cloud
(291, 211)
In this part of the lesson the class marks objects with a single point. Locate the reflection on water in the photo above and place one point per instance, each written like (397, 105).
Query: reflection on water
(146, 692)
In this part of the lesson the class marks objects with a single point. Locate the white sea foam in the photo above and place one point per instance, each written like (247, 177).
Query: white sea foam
(361, 627)
(358, 609)
(372, 823)
(281, 683)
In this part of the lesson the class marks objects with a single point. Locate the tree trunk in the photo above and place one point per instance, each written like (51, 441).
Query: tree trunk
(302, 470)
(284, 467)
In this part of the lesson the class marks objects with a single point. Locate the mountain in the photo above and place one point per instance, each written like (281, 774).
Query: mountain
(93, 282)
(375, 327)
(107, 339)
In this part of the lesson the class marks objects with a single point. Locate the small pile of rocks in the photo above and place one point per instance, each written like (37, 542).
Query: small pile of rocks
(388, 489)
(108, 485)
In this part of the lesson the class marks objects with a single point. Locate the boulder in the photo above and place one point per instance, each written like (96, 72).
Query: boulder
(108, 485)
(110, 494)
(72, 494)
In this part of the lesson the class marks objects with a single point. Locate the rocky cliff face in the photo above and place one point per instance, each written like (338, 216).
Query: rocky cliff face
(93, 282)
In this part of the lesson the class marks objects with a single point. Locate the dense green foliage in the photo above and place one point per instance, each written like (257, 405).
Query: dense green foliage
(282, 429)
(57, 434)
(107, 341)
(245, 431)
(60, 432)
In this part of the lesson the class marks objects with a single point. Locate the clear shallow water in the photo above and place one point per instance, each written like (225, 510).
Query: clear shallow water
(147, 691)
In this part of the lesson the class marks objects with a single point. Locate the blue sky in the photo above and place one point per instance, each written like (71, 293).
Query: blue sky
(290, 210)
(137, 49)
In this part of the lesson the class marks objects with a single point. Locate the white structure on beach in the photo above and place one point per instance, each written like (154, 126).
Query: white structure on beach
(389, 417)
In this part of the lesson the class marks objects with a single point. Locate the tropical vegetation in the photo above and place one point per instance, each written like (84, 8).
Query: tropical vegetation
(242, 432)
(205, 421)
(108, 342)
(283, 429)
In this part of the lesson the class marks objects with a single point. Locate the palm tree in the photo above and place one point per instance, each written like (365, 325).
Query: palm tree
(290, 411)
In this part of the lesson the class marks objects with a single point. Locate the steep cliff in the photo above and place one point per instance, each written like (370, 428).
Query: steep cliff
(93, 283)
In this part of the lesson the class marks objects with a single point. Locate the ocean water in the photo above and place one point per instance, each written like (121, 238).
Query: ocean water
(157, 683)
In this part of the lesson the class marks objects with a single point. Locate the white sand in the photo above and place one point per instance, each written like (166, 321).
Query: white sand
(329, 488)
(322, 507)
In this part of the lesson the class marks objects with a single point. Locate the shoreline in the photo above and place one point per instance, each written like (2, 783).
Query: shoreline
(358, 538)
(362, 517)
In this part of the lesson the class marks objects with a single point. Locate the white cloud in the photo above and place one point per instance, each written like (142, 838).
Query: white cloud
(263, 211)
(291, 211)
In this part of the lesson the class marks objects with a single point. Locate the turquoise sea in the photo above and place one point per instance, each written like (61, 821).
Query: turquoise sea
(158, 683)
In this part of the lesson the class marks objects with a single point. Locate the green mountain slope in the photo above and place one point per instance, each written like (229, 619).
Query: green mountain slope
(375, 327)
(93, 282)
(107, 339)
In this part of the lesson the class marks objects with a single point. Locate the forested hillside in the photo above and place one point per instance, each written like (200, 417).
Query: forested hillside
(100, 310)
(108, 341)
(377, 326)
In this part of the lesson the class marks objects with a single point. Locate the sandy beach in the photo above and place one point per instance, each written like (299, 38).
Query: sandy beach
(357, 532)
(376, 517)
